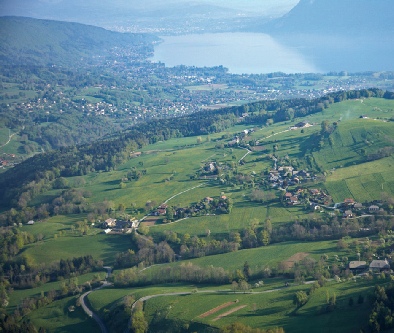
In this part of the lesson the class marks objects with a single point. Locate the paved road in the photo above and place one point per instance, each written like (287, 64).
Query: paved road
(184, 192)
(249, 151)
(9, 140)
(89, 312)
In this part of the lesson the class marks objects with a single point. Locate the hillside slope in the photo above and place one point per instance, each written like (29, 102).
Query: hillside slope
(338, 35)
(338, 17)
(26, 41)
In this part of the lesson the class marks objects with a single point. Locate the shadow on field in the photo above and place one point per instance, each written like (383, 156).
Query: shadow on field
(111, 182)
(114, 244)
(261, 312)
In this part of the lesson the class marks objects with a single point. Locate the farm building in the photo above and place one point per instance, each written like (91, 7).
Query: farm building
(358, 265)
(110, 222)
(347, 214)
(373, 208)
(379, 265)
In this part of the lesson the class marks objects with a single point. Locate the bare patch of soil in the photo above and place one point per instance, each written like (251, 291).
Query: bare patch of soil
(289, 263)
(229, 312)
(214, 310)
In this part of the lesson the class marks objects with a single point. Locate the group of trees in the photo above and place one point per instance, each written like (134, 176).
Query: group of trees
(382, 315)
(23, 272)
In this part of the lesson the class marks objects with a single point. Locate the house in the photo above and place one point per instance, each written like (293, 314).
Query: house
(358, 206)
(379, 265)
(110, 222)
(234, 142)
(135, 154)
(347, 214)
(288, 195)
(349, 201)
(373, 208)
(303, 173)
(315, 191)
(302, 124)
(134, 223)
(285, 169)
(358, 265)
(294, 200)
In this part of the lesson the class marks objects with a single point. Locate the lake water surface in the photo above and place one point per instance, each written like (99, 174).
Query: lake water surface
(260, 53)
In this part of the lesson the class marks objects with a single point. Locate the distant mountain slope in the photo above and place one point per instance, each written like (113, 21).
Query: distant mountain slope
(27, 41)
(337, 17)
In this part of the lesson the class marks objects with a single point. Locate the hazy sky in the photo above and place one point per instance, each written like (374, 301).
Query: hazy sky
(23, 7)
(271, 6)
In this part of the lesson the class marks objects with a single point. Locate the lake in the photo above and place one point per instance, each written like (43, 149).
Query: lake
(256, 53)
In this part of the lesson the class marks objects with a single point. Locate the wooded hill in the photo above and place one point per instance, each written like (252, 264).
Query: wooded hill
(27, 41)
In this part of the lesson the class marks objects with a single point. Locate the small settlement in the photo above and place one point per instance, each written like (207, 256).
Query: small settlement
(118, 226)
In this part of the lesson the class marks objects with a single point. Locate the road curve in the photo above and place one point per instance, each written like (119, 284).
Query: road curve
(89, 312)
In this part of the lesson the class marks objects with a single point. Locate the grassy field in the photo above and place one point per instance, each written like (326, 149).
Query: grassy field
(364, 182)
(269, 256)
(274, 309)
(241, 216)
(101, 247)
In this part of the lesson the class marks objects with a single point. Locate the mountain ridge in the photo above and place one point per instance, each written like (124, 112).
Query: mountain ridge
(350, 17)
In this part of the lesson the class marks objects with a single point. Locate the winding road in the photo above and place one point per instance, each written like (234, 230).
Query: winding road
(9, 140)
(89, 312)
(249, 151)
